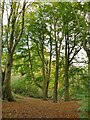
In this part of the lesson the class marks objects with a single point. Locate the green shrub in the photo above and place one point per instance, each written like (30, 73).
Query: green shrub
(26, 87)
(84, 107)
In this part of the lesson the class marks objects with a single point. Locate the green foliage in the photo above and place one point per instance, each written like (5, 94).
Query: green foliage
(84, 107)
(26, 87)
(67, 18)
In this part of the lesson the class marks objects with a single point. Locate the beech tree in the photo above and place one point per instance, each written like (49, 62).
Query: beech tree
(14, 30)
(39, 37)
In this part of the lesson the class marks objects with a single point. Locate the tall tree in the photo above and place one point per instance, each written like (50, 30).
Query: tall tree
(50, 60)
(72, 40)
(12, 39)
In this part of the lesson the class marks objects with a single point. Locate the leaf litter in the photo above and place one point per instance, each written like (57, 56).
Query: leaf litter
(38, 108)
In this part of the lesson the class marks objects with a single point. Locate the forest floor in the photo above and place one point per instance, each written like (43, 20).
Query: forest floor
(38, 108)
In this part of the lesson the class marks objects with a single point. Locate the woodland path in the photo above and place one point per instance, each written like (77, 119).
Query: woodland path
(37, 108)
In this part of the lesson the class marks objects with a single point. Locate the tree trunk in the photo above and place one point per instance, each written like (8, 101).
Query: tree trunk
(48, 80)
(7, 83)
(56, 72)
(12, 40)
(49, 69)
(47, 86)
(56, 78)
(30, 60)
(3, 76)
(66, 83)
(44, 78)
(43, 67)
(44, 81)
(66, 70)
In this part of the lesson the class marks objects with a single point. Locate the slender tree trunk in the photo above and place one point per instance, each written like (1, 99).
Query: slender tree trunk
(7, 83)
(3, 76)
(48, 79)
(31, 65)
(66, 70)
(44, 81)
(56, 72)
(43, 67)
(49, 69)
(56, 76)
(47, 86)
(44, 77)
(30, 61)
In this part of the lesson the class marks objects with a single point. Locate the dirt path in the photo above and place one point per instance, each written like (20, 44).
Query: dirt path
(37, 108)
